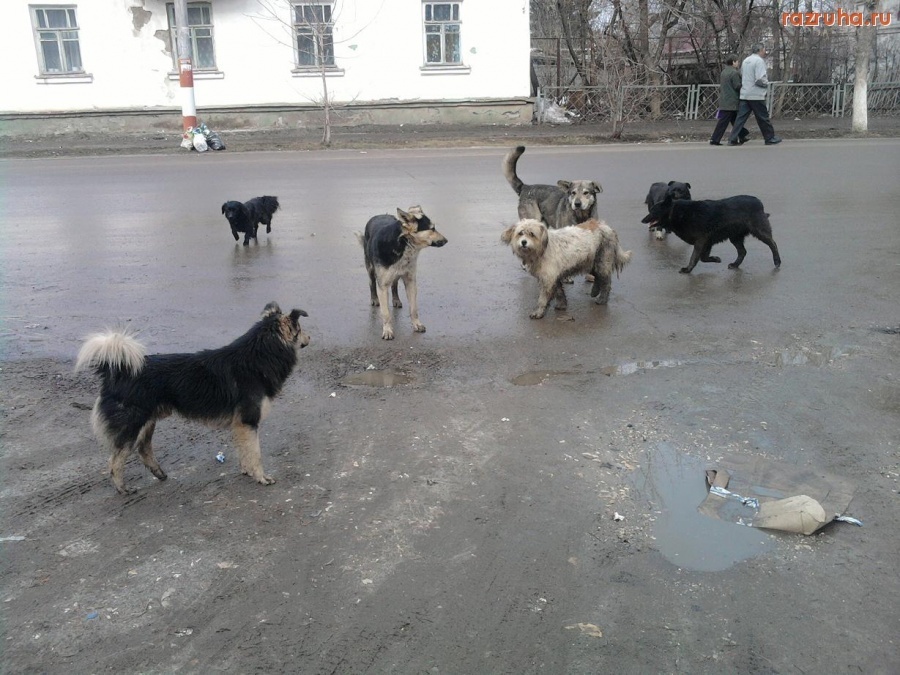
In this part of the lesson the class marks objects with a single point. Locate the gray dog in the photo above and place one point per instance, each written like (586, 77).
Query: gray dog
(566, 203)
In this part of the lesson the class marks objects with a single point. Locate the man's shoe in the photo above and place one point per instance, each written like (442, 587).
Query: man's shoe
(734, 143)
(714, 143)
(773, 141)
(744, 138)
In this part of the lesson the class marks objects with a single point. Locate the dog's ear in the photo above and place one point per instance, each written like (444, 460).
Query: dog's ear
(416, 212)
(296, 314)
(564, 184)
(271, 310)
(223, 207)
(687, 185)
(596, 188)
(671, 183)
(545, 236)
(403, 216)
(507, 234)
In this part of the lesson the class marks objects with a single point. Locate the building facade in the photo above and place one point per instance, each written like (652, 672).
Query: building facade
(418, 59)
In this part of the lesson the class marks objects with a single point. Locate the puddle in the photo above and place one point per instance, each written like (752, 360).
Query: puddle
(539, 376)
(376, 378)
(675, 485)
(815, 356)
(637, 366)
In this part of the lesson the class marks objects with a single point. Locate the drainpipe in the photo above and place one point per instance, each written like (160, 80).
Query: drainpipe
(185, 67)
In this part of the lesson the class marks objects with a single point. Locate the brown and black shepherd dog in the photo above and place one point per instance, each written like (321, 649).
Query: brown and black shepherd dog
(230, 386)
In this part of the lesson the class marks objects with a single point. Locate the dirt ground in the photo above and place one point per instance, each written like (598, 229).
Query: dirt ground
(411, 136)
(520, 503)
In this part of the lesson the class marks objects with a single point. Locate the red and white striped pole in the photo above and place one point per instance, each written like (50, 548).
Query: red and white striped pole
(185, 67)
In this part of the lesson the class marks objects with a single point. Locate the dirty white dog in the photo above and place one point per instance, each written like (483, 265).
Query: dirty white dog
(552, 255)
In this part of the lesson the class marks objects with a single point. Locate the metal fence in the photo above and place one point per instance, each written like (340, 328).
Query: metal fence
(700, 101)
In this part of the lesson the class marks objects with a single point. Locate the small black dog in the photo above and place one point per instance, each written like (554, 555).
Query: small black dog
(658, 192)
(248, 216)
(230, 386)
(711, 221)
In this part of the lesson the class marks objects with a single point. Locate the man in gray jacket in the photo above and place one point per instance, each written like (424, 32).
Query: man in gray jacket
(754, 85)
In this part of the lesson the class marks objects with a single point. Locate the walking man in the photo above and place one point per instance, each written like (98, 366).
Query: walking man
(754, 85)
(729, 99)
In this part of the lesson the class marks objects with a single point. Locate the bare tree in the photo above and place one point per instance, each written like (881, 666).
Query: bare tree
(311, 37)
(865, 42)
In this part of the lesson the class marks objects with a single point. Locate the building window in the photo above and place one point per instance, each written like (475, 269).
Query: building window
(442, 33)
(313, 35)
(56, 32)
(203, 49)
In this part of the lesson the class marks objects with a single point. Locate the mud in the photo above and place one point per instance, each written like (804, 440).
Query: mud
(462, 521)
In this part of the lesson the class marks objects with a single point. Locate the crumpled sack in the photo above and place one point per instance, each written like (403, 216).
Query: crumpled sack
(199, 142)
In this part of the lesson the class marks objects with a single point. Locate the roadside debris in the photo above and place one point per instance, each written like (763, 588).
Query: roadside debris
(220, 458)
(587, 629)
(783, 497)
(201, 139)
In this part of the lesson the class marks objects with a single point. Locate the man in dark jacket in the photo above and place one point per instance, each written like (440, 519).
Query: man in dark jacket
(729, 98)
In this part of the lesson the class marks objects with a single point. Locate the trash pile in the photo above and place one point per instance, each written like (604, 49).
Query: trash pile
(201, 139)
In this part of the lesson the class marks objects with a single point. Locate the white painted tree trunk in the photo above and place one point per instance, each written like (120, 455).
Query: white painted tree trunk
(865, 40)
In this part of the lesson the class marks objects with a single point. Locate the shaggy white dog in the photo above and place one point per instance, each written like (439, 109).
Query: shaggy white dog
(552, 255)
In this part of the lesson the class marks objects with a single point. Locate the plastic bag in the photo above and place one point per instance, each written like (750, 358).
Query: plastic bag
(199, 142)
(214, 141)
(187, 141)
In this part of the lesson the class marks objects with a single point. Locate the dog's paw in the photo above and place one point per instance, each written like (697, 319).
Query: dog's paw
(659, 234)
(387, 333)
(397, 302)
(562, 306)
(733, 266)
(588, 278)
(266, 480)
(685, 270)
(569, 280)
(537, 314)
(419, 327)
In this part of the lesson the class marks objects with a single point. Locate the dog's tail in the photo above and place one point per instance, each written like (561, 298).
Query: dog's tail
(622, 259)
(113, 352)
(270, 204)
(509, 168)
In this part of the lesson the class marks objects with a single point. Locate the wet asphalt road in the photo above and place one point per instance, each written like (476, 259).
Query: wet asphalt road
(95, 241)
(461, 523)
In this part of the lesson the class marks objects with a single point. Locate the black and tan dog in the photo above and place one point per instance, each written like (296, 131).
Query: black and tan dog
(230, 386)
(391, 247)
(704, 223)
(658, 192)
(246, 217)
(552, 255)
(569, 202)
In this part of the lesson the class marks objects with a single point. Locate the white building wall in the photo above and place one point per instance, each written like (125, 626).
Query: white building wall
(379, 51)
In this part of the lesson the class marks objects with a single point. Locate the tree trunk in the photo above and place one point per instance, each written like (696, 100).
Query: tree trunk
(865, 39)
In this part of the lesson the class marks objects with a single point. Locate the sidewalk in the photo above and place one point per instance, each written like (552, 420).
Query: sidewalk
(432, 136)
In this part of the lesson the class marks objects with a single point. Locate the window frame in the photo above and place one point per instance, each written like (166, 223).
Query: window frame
(173, 36)
(305, 28)
(66, 71)
(442, 24)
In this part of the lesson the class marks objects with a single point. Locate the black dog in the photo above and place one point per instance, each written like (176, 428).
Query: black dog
(248, 216)
(658, 192)
(229, 386)
(708, 222)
